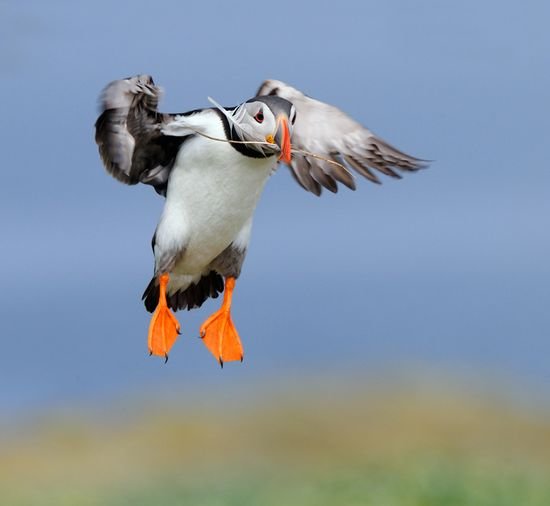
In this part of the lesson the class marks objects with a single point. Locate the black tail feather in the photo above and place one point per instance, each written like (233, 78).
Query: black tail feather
(193, 296)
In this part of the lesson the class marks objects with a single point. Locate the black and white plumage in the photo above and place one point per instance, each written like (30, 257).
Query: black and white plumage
(212, 187)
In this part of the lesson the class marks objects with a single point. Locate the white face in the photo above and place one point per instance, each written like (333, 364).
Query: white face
(259, 119)
(258, 123)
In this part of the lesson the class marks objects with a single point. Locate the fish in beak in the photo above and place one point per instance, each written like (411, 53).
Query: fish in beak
(282, 138)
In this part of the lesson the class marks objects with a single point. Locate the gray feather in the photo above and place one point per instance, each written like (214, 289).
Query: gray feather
(129, 134)
(301, 170)
(326, 131)
(321, 175)
(229, 262)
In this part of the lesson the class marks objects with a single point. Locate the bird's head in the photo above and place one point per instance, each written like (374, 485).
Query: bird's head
(265, 124)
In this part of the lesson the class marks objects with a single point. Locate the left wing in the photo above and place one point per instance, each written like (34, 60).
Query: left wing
(322, 129)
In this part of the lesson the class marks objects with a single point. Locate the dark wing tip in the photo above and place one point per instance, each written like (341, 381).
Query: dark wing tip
(266, 88)
(115, 145)
(122, 92)
(392, 157)
(128, 134)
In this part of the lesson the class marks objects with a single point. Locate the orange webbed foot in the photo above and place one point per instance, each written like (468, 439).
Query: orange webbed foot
(164, 327)
(221, 338)
(219, 333)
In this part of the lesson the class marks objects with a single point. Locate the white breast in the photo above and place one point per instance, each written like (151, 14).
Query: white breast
(212, 192)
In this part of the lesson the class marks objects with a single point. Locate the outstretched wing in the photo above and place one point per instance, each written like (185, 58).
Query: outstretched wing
(129, 133)
(322, 129)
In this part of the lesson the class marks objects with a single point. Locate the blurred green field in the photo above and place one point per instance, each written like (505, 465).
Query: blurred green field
(317, 445)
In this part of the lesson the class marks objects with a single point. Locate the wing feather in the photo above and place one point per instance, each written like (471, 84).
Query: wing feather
(301, 170)
(323, 177)
(129, 133)
(338, 172)
(324, 130)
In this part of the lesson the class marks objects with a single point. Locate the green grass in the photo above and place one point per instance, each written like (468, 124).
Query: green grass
(424, 482)
(312, 447)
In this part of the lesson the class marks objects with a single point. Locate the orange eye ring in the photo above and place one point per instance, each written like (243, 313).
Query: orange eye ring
(259, 116)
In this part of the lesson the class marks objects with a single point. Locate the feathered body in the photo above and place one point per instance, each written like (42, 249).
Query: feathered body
(207, 218)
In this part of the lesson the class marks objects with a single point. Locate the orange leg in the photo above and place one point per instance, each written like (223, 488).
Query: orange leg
(164, 328)
(219, 333)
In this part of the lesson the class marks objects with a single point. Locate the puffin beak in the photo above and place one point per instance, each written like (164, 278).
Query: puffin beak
(282, 138)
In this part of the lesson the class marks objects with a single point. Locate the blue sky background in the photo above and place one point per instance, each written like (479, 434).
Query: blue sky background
(448, 268)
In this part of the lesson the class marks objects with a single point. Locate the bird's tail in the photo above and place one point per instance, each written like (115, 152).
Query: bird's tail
(210, 285)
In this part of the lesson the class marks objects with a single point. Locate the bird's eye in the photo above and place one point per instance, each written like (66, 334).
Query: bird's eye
(259, 116)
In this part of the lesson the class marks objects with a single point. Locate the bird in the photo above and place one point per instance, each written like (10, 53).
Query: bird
(211, 165)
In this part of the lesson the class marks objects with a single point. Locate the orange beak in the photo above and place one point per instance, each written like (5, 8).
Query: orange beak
(282, 139)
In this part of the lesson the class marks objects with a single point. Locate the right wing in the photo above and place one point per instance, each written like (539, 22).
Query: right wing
(129, 133)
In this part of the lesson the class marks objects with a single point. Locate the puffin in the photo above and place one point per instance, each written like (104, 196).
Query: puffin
(211, 166)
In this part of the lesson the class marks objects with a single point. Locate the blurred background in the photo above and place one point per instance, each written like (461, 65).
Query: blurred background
(396, 337)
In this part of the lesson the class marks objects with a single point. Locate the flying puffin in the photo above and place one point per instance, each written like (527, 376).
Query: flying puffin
(211, 165)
